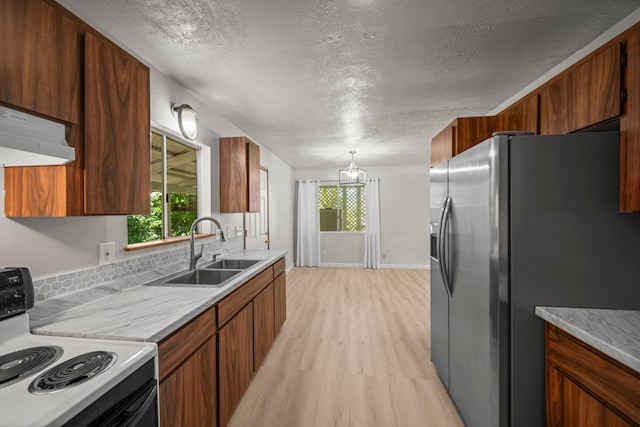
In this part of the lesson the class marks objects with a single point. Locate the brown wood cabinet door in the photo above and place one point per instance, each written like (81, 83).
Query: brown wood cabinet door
(233, 174)
(40, 59)
(585, 387)
(280, 301)
(583, 96)
(630, 129)
(253, 176)
(235, 361)
(263, 325)
(471, 131)
(522, 116)
(580, 409)
(442, 146)
(117, 130)
(187, 397)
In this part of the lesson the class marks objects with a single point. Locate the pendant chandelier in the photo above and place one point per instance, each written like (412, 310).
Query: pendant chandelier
(353, 175)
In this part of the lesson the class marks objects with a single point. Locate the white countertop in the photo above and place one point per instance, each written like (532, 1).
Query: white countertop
(146, 313)
(616, 333)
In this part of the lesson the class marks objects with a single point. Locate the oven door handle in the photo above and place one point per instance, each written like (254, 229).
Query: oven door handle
(129, 413)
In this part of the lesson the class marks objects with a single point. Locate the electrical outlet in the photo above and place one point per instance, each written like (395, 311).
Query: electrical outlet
(324, 254)
(107, 253)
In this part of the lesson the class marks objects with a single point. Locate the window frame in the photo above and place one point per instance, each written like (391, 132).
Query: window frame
(166, 227)
(343, 200)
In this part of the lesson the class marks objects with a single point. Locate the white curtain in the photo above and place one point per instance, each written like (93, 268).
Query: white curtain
(307, 224)
(372, 224)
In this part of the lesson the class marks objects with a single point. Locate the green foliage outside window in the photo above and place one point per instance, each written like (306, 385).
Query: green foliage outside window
(147, 228)
(174, 170)
(341, 208)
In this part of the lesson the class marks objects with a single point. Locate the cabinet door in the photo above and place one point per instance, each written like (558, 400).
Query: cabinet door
(584, 96)
(523, 116)
(233, 175)
(280, 301)
(187, 397)
(235, 358)
(253, 176)
(40, 59)
(470, 131)
(630, 130)
(263, 325)
(117, 131)
(442, 146)
(585, 387)
(581, 409)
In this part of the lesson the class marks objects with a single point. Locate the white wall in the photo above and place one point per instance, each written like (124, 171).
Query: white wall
(404, 218)
(52, 246)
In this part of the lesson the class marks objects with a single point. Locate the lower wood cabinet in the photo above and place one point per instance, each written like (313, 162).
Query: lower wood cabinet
(263, 325)
(188, 380)
(207, 365)
(235, 358)
(585, 387)
(279, 301)
(188, 395)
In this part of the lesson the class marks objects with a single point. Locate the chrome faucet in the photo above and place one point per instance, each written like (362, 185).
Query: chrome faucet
(193, 260)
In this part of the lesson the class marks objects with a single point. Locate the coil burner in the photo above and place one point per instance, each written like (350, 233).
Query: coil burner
(20, 364)
(73, 372)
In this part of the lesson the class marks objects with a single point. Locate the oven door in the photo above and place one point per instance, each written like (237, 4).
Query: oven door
(138, 408)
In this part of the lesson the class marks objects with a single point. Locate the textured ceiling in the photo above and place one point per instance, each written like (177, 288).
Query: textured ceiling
(313, 79)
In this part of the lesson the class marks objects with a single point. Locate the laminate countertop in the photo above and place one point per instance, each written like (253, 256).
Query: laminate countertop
(144, 313)
(616, 333)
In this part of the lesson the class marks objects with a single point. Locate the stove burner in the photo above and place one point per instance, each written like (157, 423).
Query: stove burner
(20, 364)
(73, 372)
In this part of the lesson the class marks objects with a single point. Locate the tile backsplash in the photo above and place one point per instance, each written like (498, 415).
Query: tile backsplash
(131, 271)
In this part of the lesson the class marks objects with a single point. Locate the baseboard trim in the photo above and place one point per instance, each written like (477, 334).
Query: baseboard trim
(390, 266)
(407, 266)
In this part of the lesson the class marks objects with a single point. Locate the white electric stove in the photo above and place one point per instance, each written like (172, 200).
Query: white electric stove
(54, 381)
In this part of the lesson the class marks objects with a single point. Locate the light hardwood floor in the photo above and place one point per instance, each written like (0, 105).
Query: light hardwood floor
(354, 351)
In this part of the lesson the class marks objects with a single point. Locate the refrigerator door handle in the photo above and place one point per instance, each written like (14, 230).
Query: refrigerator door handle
(444, 224)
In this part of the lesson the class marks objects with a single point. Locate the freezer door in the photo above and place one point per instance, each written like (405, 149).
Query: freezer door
(475, 315)
(439, 298)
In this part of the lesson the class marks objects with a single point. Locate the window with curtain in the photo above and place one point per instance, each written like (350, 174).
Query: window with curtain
(174, 192)
(342, 208)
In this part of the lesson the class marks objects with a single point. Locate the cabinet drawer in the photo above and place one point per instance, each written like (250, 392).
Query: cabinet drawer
(610, 382)
(278, 267)
(232, 304)
(175, 349)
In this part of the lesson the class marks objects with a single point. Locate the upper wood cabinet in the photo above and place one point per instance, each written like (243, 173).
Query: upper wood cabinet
(40, 61)
(59, 63)
(239, 175)
(585, 95)
(463, 133)
(117, 130)
(521, 116)
(630, 128)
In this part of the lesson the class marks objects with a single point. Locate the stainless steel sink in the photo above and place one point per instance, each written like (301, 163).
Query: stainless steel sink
(203, 277)
(232, 264)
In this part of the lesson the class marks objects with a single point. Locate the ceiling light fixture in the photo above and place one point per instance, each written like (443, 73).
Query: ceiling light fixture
(353, 175)
(187, 119)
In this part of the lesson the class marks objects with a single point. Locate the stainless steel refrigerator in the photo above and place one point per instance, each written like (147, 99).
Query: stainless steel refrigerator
(519, 221)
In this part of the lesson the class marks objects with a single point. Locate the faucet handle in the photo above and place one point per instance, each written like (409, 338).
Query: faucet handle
(199, 254)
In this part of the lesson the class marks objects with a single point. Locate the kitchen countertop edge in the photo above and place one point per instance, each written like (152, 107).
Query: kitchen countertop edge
(615, 333)
(74, 322)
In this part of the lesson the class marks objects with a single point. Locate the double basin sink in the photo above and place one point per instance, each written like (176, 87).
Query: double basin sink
(217, 273)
